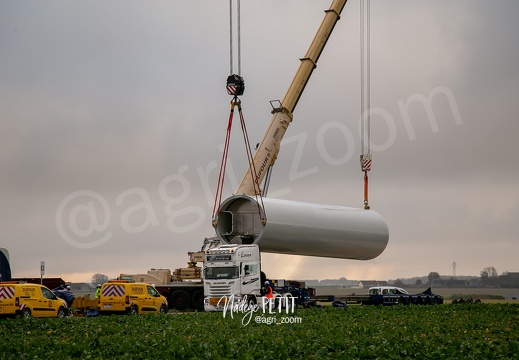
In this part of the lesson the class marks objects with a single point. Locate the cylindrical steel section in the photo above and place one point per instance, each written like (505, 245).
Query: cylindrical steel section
(299, 228)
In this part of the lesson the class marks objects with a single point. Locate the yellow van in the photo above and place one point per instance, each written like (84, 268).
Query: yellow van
(122, 296)
(29, 300)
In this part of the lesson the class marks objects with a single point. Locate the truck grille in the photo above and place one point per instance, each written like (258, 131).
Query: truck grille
(219, 290)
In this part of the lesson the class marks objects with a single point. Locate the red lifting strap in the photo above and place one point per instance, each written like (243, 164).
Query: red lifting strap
(223, 166)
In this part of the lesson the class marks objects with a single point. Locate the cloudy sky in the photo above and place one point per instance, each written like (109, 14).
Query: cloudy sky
(113, 114)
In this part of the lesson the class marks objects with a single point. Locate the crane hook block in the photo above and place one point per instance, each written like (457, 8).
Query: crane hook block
(365, 162)
(235, 85)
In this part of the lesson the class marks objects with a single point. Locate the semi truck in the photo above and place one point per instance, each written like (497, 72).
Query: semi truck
(232, 273)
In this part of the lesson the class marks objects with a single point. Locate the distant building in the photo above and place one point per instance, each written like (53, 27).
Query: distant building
(474, 282)
(510, 280)
(453, 283)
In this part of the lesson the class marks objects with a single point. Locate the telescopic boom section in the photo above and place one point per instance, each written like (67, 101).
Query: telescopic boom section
(268, 149)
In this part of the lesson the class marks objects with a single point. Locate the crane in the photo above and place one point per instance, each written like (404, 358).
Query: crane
(232, 267)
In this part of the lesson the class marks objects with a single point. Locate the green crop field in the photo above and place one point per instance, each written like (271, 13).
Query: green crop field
(476, 331)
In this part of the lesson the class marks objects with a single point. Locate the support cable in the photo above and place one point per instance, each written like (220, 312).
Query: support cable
(365, 98)
(223, 166)
(368, 72)
(230, 38)
(239, 38)
(235, 87)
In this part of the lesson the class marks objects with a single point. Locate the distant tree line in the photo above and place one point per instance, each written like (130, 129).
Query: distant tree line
(488, 278)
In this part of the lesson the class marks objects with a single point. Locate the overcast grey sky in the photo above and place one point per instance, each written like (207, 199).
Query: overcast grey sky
(113, 114)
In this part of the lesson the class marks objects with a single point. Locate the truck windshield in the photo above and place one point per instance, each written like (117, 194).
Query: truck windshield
(226, 272)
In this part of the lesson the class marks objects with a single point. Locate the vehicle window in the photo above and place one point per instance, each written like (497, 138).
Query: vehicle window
(226, 272)
(373, 291)
(384, 291)
(251, 269)
(152, 291)
(46, 293)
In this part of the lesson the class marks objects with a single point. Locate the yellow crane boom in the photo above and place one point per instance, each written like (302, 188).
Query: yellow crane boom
(267, 151)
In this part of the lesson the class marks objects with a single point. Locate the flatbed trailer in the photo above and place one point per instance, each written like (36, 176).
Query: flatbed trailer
(183, 295)
(82, 304)
(385, 295)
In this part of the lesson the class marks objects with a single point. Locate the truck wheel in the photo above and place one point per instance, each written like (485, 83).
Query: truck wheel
(26, 313)
(180, 300)
(251, 299)
(164, 309)
(263, 278)
(62, 312)
(134, 310)
(198, 300)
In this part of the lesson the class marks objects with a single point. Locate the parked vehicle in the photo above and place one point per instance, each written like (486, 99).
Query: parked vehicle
(30, 300)
(122, 296)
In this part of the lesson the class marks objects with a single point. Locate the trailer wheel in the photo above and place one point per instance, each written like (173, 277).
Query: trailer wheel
(198, 300)
(279, 302)
(180, 300)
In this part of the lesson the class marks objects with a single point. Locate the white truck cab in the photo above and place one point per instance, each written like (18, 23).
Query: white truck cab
(230, 273)
(386, 290)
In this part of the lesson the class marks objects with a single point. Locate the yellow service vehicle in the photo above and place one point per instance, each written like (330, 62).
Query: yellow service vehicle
(30, 300)
(122, 296)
